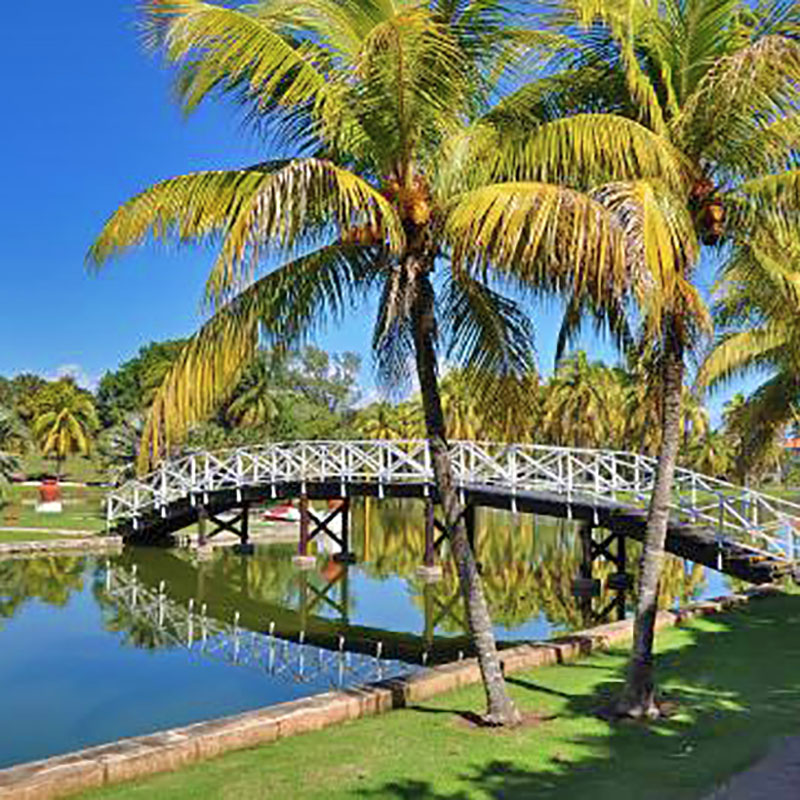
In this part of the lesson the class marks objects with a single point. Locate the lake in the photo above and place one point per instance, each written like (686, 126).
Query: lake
(92, 650)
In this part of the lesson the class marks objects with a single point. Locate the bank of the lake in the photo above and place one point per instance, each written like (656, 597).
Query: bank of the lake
(735, 679)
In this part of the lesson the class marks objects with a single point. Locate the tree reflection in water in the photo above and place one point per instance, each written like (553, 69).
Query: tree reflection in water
(49, 579)
(528, 565)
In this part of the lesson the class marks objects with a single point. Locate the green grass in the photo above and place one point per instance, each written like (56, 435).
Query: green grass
(75, 468)
(83, 509)
(25, 536)
(735, 678)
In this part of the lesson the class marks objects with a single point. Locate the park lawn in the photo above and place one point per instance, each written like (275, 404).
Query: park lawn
(74, 468)
(735, 679)
(83, 509)
(7, 537)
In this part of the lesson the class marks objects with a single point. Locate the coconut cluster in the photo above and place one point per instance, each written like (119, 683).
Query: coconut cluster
(710, 211)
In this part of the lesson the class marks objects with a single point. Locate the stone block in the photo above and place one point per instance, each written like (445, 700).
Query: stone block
(211, 739)
(134, 758)
(53, 778)
(429, 574)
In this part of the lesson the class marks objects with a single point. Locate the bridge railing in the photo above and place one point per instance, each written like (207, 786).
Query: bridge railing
(765, 522)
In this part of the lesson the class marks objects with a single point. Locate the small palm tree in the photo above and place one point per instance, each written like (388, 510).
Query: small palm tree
(401, 165)
(258, 397)
(379, 421)
(67, 429)
(578, 405)
(14, 441)
(464, 413)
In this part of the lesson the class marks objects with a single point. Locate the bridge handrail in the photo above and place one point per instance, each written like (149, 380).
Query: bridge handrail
(759, 518)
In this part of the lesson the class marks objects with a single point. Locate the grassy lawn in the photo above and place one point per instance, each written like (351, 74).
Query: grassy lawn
(735, 679)
(26, 536)
(83, 509)
(75, 468)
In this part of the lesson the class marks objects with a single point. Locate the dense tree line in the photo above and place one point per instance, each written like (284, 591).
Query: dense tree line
(302, 394)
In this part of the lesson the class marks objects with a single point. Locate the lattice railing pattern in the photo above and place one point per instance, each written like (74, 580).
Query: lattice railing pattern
(172, 624)
(765, 522)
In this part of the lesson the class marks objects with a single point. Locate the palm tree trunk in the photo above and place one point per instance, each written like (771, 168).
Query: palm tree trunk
(500, 708)
(638, 698)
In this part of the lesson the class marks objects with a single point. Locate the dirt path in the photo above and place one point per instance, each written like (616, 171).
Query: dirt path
(776, 777)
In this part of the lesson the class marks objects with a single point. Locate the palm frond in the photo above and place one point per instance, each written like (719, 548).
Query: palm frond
(587, 149)
(234, 49)
(283, 306)
(544, 235)
(662, 249)
(739, 353)
(276, 207)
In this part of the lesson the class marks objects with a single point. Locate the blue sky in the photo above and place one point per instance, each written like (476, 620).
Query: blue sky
(90, 121)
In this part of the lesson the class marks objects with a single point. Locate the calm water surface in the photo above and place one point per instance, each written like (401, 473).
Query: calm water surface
(88, 652)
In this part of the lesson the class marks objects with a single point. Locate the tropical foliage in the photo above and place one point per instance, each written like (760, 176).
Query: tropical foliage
(14, 441)
(64, 422)
(716, 82)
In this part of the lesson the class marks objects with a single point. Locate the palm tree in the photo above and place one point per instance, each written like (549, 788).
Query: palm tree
(379, 421)
(717, 81)
(14, 440)
(67, 428)
(463, 410)
(399, 166)
(711, 454)
(757, 309)
(578, 404)
(257, 400)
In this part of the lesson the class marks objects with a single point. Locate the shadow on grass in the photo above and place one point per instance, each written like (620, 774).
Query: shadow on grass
(736, 686)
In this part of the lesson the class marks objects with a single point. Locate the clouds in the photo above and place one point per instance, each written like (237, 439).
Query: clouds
(78, 374)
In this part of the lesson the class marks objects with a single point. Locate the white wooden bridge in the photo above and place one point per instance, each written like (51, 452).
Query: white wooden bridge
(732, 528)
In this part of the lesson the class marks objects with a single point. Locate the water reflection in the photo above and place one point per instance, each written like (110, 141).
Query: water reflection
(528, 567)
(86, 668)
(51, 579)
(528, 563)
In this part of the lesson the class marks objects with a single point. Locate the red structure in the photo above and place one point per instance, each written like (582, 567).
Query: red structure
(49, 491)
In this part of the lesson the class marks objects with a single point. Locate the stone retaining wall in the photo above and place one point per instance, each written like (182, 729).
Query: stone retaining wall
(172, 749)
(88, 544)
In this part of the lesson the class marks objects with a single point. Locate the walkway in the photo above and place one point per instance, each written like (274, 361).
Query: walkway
(735, 529)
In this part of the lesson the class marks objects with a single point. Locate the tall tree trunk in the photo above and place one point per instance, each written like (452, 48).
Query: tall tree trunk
(500, 708)
(638, 697)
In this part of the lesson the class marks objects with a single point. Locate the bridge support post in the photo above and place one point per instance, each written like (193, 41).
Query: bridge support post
(245, 547)
(585, 587)
(202, 519)
(204, 549)
(303, 560)
(429, 571)
(342, 508)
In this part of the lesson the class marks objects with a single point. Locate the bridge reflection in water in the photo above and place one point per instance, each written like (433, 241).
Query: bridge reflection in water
(175, 625)
(528, 569)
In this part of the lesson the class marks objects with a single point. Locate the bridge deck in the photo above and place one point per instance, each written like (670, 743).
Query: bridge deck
(737, 530)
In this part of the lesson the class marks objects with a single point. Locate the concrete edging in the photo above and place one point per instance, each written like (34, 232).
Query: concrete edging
(86, 544)
(169, 750)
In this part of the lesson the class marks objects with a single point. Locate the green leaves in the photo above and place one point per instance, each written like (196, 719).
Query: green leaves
(266, 209)
(233, 49)
(545, 235)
